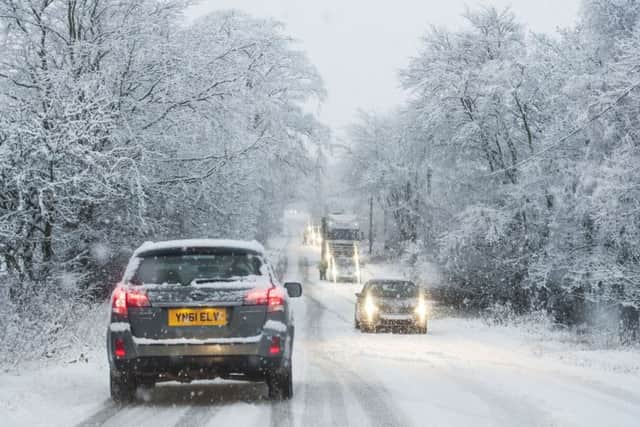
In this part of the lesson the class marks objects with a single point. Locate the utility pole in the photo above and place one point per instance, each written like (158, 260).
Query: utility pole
(370, 225)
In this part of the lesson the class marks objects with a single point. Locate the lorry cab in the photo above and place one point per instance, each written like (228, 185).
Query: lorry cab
(341, 246)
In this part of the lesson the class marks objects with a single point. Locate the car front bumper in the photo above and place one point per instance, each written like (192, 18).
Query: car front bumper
(394, 320)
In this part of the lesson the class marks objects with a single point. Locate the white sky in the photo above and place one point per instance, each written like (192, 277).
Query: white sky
(359, 45)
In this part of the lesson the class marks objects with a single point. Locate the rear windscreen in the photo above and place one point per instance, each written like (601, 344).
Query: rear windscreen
(193, 268)
(393, 289)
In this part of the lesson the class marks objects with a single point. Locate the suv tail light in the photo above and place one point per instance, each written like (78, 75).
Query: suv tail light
(274, 346)
(124, 298)
(273, 298)
(119, 350)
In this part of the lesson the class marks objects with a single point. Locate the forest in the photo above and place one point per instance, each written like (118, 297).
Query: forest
(119, 124)
(514, 163)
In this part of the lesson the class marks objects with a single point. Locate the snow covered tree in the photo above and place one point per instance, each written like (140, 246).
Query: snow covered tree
(119, 124)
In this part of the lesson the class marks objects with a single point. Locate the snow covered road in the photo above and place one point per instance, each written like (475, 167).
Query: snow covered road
(461, 373)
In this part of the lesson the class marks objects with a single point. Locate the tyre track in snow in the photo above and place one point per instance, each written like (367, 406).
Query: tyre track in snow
(281, 414)
(510, 411)
(204, 401)
(197, 416)
(339, 414)
(592, 389)
(101, 416)
(314, 388)
(372, 396)
(322, 386)
(374, 399)
(201, 401)
(135, 414)
(317, 302)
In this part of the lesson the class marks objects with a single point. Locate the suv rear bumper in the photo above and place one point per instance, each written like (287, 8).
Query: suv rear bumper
(181, 350)
(247, 358)
(187, 368)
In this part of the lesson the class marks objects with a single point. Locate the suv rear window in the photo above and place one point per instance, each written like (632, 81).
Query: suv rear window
(184, 268)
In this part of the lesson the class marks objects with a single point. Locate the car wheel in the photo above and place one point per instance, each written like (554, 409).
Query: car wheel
(122, 387)
(280, 383)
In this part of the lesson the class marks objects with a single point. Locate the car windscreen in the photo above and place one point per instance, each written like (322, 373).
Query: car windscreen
(393, 289)
(185, 268)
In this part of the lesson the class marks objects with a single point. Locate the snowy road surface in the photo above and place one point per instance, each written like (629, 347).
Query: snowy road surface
(462, 373)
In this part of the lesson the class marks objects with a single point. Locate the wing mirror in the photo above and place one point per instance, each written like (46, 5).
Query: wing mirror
(294, 289)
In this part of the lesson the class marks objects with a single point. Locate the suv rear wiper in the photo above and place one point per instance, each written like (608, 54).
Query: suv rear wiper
(200, 281)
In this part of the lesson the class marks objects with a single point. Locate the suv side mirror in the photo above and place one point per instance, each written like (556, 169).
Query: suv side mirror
(358, 294)
(294, 289)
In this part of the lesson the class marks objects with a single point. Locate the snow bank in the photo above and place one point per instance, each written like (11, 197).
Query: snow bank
(50, 327)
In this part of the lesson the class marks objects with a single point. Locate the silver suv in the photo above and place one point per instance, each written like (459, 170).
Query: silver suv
(200, 309)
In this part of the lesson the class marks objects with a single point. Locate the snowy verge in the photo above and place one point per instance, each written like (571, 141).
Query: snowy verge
(61, 373)
(50, 329)
(533, 336)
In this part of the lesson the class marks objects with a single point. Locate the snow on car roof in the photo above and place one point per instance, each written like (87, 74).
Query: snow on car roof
(201, 243)
(389, 279)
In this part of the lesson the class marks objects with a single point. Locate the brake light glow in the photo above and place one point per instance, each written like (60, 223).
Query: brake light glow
(124, 298)
(118, 348)
(119, 302)
(273, 298)
(257, 297)
(274, 348)
(137, 298)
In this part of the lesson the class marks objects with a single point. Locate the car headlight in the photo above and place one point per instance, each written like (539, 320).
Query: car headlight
(370, 307)
(421, 309)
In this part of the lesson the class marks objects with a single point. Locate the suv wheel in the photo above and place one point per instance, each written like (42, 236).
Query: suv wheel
(123, 387)
(280, 383)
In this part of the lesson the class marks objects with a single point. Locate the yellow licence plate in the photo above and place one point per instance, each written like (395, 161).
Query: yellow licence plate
(197, 317)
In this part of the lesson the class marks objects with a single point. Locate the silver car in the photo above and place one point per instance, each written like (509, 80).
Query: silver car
(391, 304)
(200, 309)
